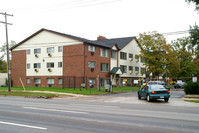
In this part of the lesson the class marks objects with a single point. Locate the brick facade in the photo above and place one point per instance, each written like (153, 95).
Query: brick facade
(18, 67)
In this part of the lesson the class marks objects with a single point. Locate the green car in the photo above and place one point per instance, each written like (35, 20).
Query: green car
(150, 92)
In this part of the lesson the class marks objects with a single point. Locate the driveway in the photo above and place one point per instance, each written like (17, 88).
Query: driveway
(176, 99)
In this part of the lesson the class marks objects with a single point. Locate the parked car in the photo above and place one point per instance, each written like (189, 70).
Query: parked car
(3, 85)
(180, 85)
(150, 92)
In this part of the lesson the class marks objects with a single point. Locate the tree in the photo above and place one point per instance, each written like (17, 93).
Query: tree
(184, 51)
(194, 39)
(196, 2)
(3, 66)
(157, 53)
(3, 49)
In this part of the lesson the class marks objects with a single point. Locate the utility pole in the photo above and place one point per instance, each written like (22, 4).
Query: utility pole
(7, 45)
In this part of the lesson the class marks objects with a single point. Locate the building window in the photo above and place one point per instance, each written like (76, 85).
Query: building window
(28, 51)
(137, 69)
(104, 52)
(113, 54)
(59, 64)
(37, 65)
(130, 68)
(142, 60)
(123, 68)
(104, 67)
(50, 65)
(60, 49)
(50, 81)
(143, 70)
(28, 81)
(28, 66)
(123, 55)
(91, 48)
(50, 50)
(91, 64)
(60, 81)
(37, 51)
(131, 56)
(37, 81)
(137, 58)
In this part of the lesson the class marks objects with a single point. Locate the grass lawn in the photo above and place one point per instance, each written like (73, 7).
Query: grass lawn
(28, 94)
(83, 91)
(192, 101)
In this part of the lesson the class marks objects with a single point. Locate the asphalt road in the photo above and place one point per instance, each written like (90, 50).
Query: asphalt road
(26, 115)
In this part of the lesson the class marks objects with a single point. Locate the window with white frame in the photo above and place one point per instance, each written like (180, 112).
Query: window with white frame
(50, 50)
(137, 58)
(50, 65)
(123, 55)
(28, 52)
(104, 67)
(114, 54)
(28, 66)
(59, 64)
(143, 70)
(37, 65)
(91, 64)
(123, 68)
(137, 69)
(50, 81)
(28, 81)
(91, 81)
(37, 81)
(130, 56)
(130, 68)
(37, 51)
(91, 48)
(104, 52)
(60, 49)
(60, 81)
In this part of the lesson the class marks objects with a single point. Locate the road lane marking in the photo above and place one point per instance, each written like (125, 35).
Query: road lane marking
(101, 106)
(55, 110)
(22, 125)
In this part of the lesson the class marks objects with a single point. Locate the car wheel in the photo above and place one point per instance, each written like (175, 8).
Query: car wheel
(148, 98)
(139, 97)
(166, 99)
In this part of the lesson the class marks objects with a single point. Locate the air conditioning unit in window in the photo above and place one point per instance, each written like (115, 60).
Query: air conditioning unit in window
(137, 72)
(49, 69)
(92, 53)
(92, 69)
(50, 54)
(130, 72)
(36, 70)
(36, 55)
(131, 59)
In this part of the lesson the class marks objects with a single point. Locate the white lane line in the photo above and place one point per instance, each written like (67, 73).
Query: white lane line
(22, 125)
(55, 110)
(96, 106)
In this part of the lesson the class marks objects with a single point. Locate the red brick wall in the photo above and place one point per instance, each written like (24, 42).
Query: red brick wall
(73, 60)
(18, 69)
(98, 60)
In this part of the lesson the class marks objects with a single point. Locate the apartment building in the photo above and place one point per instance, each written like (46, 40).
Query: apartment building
(47, 57)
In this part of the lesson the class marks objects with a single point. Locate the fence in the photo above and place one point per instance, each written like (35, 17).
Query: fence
(98, 83)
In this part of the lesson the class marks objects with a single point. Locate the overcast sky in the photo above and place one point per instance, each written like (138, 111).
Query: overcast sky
(90, 18)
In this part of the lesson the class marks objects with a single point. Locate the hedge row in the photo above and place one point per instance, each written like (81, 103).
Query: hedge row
(192, 88)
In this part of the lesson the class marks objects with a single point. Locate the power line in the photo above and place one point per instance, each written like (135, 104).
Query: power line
(8, 58)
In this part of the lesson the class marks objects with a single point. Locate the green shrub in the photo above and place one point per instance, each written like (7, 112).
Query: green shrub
(192, 88)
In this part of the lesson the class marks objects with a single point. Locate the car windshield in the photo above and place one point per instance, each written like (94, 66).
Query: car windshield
(157, 87)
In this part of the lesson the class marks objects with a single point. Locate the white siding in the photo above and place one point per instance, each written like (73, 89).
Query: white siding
(3, 77)
(44, 40)
(134, 49)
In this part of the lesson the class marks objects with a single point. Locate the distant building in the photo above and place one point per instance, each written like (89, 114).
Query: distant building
(47, 58)
(3, 77)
